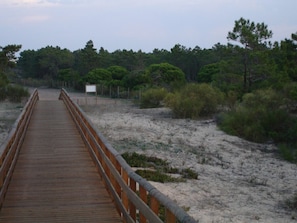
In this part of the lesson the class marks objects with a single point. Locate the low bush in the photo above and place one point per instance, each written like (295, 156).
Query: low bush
(262, 117)
(153, 98)
(16, 93)
(194, 101)
(3, 80)
(3, 93)
(289, 153)
(13, 93)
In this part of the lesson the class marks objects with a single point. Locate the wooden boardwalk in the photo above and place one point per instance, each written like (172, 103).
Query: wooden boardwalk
(55, 179)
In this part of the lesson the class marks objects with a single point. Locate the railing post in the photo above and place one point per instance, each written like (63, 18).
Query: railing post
(131, 205)
(125, 199)
(107, 170)
(114, 182)
(143, 196)
(155, 205)
(170, 217)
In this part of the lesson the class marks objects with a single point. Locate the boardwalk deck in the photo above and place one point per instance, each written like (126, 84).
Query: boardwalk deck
(55, 179)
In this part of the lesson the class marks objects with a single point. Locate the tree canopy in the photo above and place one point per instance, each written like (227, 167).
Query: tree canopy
(7, 56)
(164, 74)
(248, 62)
(251, 35)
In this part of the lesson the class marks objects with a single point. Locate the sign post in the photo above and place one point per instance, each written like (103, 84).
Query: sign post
(91, 88)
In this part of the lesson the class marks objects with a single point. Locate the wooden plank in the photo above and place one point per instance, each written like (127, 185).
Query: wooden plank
(55, 179)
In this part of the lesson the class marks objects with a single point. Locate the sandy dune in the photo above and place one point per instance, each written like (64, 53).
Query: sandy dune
(238, 181)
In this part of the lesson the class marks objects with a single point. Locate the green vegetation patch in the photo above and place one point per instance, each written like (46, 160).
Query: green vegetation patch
(158, 176)
(194, 101)
(292, 202)
(13, 93)
(153, 98)
(140, 160)
(159, 170)
(262, 117)
(288, 152)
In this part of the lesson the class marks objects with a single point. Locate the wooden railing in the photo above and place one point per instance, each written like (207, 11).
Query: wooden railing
(136, 199)
(9, 150)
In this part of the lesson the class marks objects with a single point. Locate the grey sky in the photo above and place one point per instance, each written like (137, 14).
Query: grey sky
(137, 24)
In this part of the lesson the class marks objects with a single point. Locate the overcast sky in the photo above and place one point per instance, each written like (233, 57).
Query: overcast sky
(137, 24)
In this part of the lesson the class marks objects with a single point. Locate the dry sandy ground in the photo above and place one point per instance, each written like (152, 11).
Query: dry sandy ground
(238, 181)
(9, 112)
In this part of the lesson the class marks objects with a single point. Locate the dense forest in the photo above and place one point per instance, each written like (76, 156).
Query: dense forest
(248, 85)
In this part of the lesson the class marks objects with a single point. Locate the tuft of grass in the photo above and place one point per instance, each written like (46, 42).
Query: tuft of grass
(288, 152)
(158, 176)
(189, 174)
(16, 93)
(161, 168)
(292, 203)
(139, 160)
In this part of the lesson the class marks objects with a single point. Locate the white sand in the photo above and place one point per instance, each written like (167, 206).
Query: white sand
(238, 181)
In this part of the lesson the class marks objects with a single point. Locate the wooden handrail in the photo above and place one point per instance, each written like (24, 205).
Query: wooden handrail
(10, 148)
(135, 198)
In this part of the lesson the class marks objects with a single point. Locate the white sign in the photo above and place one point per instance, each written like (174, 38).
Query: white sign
(91, 88)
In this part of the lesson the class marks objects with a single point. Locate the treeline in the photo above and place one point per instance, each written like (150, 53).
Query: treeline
(121, 67)
(241, 67)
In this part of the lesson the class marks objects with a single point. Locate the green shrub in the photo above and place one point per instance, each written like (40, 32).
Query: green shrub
(263, 99)
(194, 101)
(153, 98)
(280, 126)
(3, 80)
(13, 93)
(16, 93)
(184, 107)
(231, 99)
(262, 117)
(3, 93)
(289, 153)
(244, 123)
(3, 86)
